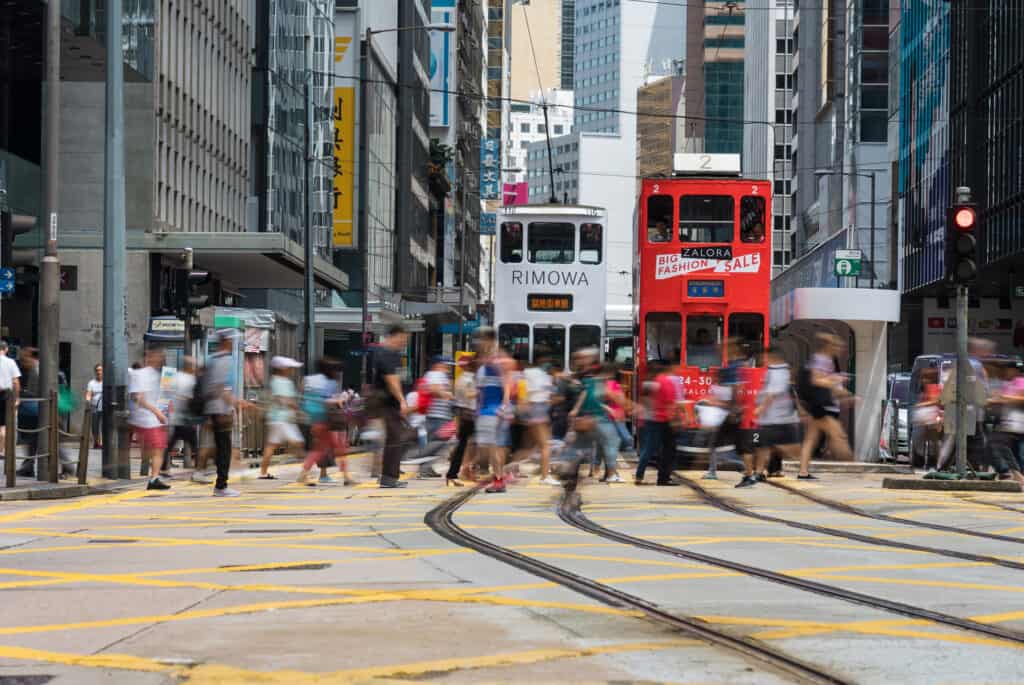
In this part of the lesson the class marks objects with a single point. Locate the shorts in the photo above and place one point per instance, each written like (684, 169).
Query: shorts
(152, 438)
(3, 408)
(777, 434)
(488, 430)
(539, 412)
(283, 433)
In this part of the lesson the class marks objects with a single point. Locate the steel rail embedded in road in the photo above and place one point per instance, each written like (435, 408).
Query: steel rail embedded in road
(440, 520)
(569, 511)
(856, 511)
(732, 508)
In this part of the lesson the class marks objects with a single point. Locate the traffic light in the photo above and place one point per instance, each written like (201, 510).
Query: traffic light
(188, 295)
(962, 239)
(11, 226)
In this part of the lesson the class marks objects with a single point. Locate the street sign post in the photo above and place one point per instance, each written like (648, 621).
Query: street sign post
(847, 262)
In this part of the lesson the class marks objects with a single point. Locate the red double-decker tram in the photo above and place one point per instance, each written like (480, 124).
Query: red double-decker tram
(702, 272)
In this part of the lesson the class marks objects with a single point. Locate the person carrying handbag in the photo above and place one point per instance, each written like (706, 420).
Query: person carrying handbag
(592, 422)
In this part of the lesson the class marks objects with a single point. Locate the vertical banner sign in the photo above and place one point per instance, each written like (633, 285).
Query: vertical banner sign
(345, 144)
(490, 169)
(344, 165)
(441, 44)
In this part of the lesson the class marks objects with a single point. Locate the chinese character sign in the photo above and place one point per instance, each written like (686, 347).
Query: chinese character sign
(488, 223)
(490, 169)
(344, 165)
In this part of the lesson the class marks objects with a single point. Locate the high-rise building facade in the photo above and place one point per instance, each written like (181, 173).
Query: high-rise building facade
(568, 41)
(723, 42)
(661, 129)
(527, 124)
(536, 35)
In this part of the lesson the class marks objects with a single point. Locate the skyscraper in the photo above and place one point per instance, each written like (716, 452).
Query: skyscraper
(723, 76)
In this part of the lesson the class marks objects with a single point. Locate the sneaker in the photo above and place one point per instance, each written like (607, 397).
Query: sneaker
(709, 476)
(667, 484)
(760, 478)
(202, 477)
(498, 485)
(809, 476)
(747, 481)
(616, 478)
(325, 479)
(392, 483)
(550, 480)
(225, 492)
(157, 484)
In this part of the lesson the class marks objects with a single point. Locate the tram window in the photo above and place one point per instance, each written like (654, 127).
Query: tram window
(659, 219)
(511, 242)
(752, 219)
(551, 243)
(549, 342)
(748, 331)
(581, 337)
(704, 340)
(664, 331)
(515, 339)
(590, 243)
(706, 219)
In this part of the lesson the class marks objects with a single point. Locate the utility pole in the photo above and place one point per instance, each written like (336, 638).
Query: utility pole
(115, 347)
(309, 243)
(364, 212)
(962, 367)
(49, 281)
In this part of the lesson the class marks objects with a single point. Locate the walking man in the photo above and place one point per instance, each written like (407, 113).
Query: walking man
(826, 387)
(150, 423)
(390, 404)
(220, 407)
(493, 397)
(94, 398)
(183, 423)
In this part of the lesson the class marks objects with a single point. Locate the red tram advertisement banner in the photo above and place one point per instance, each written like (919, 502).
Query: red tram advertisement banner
(702, 275)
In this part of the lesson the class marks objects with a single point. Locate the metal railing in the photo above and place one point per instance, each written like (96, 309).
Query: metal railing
(52, 462)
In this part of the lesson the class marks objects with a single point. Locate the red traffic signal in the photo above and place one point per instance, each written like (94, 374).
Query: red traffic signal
(964, 218)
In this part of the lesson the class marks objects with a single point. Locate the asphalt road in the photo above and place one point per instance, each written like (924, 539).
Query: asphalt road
(290, 584)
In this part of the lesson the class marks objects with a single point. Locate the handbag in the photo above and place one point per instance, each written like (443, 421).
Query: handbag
(584, 423)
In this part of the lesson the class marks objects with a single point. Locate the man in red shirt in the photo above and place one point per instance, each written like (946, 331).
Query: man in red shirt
(665, 412)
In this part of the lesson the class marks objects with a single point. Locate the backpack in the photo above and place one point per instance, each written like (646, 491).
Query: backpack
(815, 397)
(197, 403)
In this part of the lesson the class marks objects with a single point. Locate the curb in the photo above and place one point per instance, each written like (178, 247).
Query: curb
(57, 492)
(951, 485)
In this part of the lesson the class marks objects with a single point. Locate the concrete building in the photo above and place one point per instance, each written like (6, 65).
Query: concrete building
(527, 125)
(568, 56)
(723, 41)
(767, 107)
(661, 132)
(541, 57)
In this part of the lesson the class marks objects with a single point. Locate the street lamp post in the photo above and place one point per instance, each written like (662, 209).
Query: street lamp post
(871, 247)
(364, 169)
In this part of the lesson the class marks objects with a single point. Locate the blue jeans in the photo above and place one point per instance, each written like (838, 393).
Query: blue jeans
(604, 440)
(625, 439)
(649, 444)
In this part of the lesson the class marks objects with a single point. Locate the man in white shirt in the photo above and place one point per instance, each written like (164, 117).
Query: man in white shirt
(10, 387)
(149, 422)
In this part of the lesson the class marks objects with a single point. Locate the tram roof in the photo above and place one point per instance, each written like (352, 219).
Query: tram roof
(589, 210)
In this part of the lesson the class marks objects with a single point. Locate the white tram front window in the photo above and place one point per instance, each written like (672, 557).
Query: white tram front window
(511, 242)
(514, 338)
(581, 337)
(590, 243)
(548, 242)
(704, 340)
(664, 333)
(706, 218)
(549, 343)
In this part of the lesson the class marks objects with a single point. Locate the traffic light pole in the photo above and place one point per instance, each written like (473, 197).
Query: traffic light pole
(962, 366)
(49, 277)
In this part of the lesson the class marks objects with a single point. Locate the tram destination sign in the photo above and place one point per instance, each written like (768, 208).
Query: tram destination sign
(546, 302)
(716, 252)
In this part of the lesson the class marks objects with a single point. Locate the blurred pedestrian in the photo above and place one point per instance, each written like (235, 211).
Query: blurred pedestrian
(643, 415)
(282, 430)
(324, 404)
(149, 421)
(28, 408)
(94, 398)
(459, 468)
(824, 387)
(595, 431)
(183, 422)
(388, 404)
(666, 414)
(536, 402)
(725, 425)
(10, 388)
(437, 386)
(493, 399)
(776, 417)
(220, 407)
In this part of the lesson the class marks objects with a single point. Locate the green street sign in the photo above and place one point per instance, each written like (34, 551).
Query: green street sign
(847, 262)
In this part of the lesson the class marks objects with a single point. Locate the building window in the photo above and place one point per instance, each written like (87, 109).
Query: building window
(783, 116)
(784, 82)
(784, 46)
(874, 67)
(559, 129)
(524, 128)
(782, 187)
(783, 152)
(874, 126)
(541, 128)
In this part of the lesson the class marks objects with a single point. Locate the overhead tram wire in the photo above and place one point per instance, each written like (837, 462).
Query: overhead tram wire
(553, 199)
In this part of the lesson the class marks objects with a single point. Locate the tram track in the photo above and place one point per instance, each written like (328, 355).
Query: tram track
(440, 519)
(733, 508)
(569, 511)
(856, 511)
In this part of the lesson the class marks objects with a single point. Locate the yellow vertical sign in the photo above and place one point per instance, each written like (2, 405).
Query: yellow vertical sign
(344, 165)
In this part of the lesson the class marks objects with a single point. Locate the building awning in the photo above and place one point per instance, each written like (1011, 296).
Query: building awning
(842, 304)
(239, 259)
(348, 319)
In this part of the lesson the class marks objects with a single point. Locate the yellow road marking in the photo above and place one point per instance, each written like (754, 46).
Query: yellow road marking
(57, 509)
(116, 661)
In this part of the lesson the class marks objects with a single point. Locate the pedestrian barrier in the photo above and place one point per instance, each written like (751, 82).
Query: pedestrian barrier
(51, 463)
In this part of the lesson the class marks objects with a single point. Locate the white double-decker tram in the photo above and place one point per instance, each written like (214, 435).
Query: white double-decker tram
(550, 280)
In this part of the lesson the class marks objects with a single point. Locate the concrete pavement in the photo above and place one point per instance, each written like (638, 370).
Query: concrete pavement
(290, 584)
